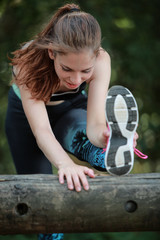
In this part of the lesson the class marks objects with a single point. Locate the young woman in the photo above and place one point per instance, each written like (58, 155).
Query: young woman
(49, 112)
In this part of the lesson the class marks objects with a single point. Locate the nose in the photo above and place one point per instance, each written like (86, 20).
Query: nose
(76, 78)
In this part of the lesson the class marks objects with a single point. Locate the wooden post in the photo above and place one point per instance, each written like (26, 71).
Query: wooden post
(39, 204)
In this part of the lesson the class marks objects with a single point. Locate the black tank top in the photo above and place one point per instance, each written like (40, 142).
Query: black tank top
(68, 95)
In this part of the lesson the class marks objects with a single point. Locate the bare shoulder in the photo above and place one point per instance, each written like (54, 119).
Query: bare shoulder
(28, 100)
(103, 55)
(102, 67)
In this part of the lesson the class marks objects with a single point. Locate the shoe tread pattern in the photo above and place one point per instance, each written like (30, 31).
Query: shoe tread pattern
(117, 140)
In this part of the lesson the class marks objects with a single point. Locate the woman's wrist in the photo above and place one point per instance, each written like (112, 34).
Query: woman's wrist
(66, 162)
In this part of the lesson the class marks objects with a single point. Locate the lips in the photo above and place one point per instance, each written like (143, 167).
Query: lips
(72, 86)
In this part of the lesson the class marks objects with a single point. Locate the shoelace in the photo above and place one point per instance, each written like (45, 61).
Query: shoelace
(136, 151)
(140, 154)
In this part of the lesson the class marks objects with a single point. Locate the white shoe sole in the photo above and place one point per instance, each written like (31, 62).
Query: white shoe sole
(122, 118)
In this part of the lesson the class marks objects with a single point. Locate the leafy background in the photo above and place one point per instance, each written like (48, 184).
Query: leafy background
(131, 35)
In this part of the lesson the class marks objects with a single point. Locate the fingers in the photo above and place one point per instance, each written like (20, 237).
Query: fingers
(70, 182)
(136, 136)
(62, 175)
(84, 181)
(76, 182)
(76, 178)
(106, 133)
(135, 139)
(89, 172)
(81, 178)
(105, 136)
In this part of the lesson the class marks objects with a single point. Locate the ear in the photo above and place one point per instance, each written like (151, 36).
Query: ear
(51, 54)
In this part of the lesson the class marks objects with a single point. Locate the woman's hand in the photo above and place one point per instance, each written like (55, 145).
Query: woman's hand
(135, 139)
(105, 136)
(75, 175)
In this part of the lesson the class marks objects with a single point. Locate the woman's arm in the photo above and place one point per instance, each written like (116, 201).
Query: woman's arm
(36, 114)
(97, 131)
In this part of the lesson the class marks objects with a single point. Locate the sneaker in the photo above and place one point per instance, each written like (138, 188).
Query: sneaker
(122, 118)
(84, 150)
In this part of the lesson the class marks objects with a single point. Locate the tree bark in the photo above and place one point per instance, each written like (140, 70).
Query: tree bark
(40, 204)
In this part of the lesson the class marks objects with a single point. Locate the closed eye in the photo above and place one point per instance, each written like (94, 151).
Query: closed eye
(87, 70)
(66, 69)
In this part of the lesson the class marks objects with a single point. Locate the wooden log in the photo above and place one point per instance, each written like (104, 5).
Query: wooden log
(39, 204)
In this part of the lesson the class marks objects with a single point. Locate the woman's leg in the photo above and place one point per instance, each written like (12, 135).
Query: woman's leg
(70, 131)
(52, 236)
(27, 156)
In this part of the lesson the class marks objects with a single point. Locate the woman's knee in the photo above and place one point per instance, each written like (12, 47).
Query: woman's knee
(73, 121)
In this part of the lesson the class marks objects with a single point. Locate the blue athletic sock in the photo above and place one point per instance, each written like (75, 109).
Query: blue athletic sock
(51, 236)
(83, 149)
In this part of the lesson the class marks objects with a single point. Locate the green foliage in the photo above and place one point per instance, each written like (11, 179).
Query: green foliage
(131, 36)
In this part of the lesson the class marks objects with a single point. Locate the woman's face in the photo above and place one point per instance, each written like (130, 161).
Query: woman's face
(73, 68)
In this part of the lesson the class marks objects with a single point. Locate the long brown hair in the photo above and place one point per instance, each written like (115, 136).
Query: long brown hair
(70, 30)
